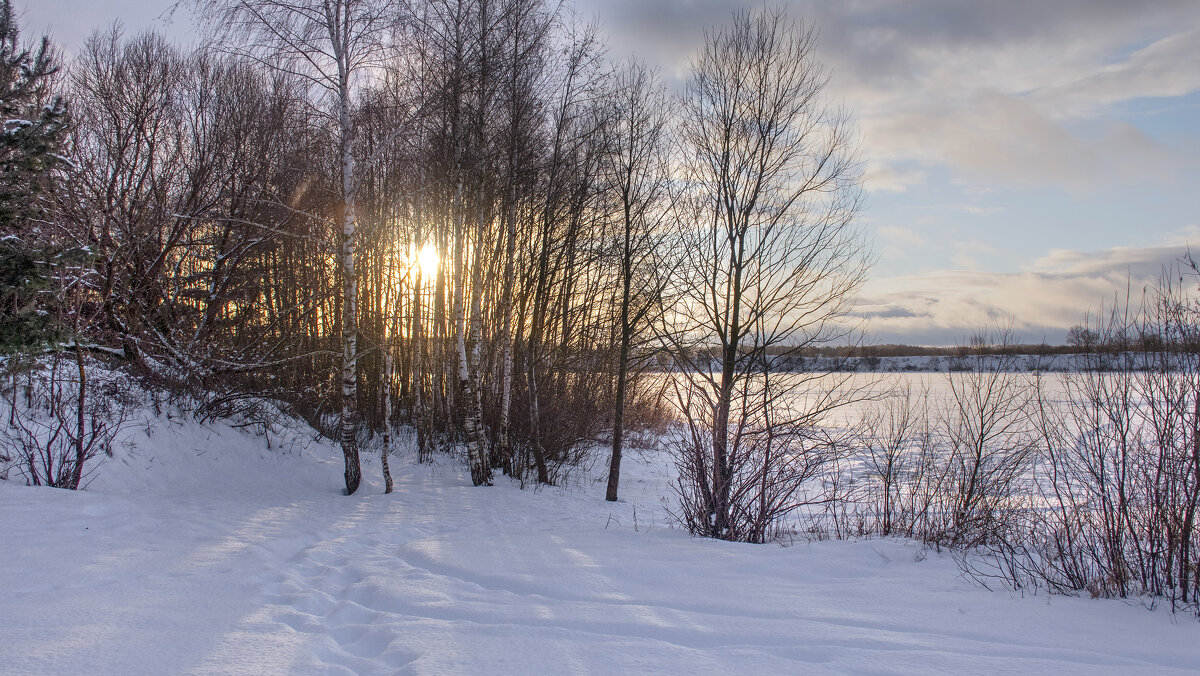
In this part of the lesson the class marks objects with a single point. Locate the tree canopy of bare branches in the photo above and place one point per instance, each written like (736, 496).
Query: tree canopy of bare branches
(773, 255)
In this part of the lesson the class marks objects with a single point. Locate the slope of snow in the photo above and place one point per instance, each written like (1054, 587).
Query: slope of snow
(201, 551)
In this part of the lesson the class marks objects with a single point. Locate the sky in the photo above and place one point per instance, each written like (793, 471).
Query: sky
(1026, 162)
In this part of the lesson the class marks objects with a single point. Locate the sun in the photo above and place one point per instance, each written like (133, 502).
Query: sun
(424, 259)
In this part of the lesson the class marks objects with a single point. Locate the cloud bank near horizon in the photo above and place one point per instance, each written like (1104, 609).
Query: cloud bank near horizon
(1040, 303)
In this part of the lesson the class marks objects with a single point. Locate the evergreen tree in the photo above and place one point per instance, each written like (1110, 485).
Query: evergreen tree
(34, 124)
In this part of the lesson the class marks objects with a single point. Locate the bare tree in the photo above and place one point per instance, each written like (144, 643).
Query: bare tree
(638, 178)
(130, 145)
(1083, 338)
(566, 188)
(333, 45)
(774, 258)
(990, 443)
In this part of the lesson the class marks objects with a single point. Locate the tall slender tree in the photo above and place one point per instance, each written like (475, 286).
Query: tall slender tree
(333, 45)
(638, 180)
(776, 254)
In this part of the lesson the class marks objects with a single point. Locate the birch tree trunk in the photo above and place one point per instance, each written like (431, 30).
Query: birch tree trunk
(349, 290)
(504, 452)
(481, 469)
(460, 281)
(387, 417)
(416, 334)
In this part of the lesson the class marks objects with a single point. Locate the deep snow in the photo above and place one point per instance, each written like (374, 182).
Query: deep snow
(201, 551)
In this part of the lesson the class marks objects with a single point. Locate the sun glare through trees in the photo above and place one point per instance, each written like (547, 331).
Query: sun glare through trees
(421, 261)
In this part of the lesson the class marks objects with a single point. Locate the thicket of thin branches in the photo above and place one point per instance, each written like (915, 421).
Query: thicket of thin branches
(1084, 482)
(255, 214)
(461, 217)
(58, 416)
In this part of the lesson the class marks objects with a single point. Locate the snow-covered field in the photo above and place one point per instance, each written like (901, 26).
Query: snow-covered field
(201, 551)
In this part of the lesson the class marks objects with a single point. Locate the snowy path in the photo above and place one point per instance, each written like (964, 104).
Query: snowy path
(221, 559)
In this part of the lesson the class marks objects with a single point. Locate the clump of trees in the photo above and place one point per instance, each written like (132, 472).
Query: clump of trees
(454, 215)
(55, 422)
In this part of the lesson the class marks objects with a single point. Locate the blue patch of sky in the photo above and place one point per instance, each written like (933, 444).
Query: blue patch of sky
(1003, 229)
(1163, 118)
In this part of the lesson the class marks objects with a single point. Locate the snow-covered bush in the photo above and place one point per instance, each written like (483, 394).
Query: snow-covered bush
(61, 413)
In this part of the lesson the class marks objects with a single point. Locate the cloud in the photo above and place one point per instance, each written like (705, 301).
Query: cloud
(1019, 93)
(1013, 93)
(891, 312)
(998, 137)
(989, 90)
(880, 177)
(1167, 67)
(965, 254)
(900, 235)
(665, 33)
(1134, 262)
(1042, 302)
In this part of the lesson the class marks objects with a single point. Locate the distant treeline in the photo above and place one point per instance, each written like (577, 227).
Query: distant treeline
(1079, 342)
(867, 357)
(891, 350)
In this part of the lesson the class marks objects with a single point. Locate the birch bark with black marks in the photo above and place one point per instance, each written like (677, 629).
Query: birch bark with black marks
(330, 44)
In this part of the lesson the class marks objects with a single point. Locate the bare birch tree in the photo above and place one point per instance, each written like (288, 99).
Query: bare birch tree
(332, 45)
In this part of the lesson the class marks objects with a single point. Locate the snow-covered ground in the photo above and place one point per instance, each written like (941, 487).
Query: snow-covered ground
(201, 551)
